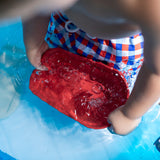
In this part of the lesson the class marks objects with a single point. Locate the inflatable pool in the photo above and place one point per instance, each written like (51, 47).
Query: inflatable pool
(37, 131)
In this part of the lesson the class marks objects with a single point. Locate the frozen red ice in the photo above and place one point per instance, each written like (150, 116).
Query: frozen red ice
(82, 89)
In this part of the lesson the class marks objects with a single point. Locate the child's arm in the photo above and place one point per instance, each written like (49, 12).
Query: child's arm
(34, 31)
(28, 8)
(147, 87)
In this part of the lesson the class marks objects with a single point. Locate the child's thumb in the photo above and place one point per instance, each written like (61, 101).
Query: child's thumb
(35, 60)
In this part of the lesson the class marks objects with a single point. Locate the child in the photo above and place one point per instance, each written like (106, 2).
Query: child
(27, 8)
(122, 22)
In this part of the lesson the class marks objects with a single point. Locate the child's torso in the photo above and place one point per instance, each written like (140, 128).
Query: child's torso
(103, 19)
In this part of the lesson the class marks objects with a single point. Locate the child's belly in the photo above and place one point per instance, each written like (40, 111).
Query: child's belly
(107, 24)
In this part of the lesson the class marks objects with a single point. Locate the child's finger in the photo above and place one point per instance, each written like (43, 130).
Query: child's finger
(42, 68)
(37, 64)
(38, 56)
(35, 60)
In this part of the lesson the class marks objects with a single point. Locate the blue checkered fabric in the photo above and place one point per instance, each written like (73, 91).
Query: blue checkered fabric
(125, 54)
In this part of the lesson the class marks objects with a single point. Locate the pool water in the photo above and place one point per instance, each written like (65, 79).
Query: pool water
(37, 131)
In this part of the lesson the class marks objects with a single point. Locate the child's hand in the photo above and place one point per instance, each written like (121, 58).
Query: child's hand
(34, 31)
(121, 124)
(34, 55)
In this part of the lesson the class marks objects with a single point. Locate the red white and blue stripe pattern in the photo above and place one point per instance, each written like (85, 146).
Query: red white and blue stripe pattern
(125, 54)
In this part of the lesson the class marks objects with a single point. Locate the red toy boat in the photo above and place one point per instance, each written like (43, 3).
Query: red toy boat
(82, 89)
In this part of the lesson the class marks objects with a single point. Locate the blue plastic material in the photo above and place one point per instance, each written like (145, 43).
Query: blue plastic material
(4, 156)
(36, 131)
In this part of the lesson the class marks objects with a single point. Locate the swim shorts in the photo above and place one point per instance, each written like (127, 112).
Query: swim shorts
(125, 54)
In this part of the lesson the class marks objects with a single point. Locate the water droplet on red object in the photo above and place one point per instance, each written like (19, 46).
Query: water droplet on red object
(97, 88)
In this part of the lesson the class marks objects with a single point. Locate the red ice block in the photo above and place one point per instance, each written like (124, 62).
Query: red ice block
(82, 89)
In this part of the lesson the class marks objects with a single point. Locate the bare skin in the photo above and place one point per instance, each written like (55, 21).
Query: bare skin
(96, 17)
(34, 31)
(27, 8)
